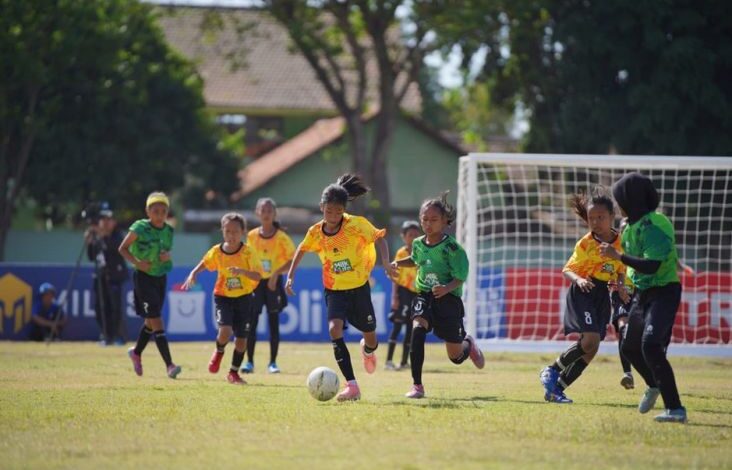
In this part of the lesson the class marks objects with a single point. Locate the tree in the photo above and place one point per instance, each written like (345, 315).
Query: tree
(94, 105)
(594, 76)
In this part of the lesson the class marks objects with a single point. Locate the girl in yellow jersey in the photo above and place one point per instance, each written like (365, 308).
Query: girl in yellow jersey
(345, 245)
(588, 301)
(403, 291)
(238, 273)
(275, 249)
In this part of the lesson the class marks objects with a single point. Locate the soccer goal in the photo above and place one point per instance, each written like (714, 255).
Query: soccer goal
(515, 224)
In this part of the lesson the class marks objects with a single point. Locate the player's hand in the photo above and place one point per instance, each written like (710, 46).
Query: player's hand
(609, 251)
(585, 285)
(688, 269)
(440, 291)
(164, 256)
(143, 265)
(233, 270)
(391, 270)
(288, 286)
(623, 293)
(394, 305)
(272, 283)
(190, 282)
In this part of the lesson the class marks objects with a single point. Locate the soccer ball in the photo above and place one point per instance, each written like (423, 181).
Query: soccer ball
(323, 383)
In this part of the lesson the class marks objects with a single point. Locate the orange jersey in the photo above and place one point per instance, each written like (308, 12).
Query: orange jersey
(348, 256)
(586, 260)
(273, 251)
(407, 276)
(227, 284)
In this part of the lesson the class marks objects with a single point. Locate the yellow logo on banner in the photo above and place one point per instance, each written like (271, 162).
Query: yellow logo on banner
(15, 301)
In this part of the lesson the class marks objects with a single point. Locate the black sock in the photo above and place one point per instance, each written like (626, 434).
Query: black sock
(568, 357)
(407, 343)
(571, 373)
(466, 353)
(274, 336)
(343, 358)
(396, 327)
(236, 360)
(368, 349)
(220, 347)
(252, 338)
(142, 339)
(419, 335)
(162, 341)
(623, 360)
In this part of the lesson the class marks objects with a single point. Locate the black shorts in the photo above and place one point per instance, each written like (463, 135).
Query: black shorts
(276, 300)
(149, 294)
(587, 312)
(353, 306)
(403, 313)
(235, 312)
(444, 315)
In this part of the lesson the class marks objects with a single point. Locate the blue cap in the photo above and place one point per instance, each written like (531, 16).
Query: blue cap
(46, 287)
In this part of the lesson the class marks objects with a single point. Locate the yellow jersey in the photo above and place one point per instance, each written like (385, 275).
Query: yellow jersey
(586, 260)
(273, 251)
(347, 256)
(407, 275)
(227, 284)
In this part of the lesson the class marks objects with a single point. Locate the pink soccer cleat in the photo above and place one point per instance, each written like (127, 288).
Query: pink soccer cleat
(369, 360)
(136, 361)
(417, 391)
(350, 392)
(476, 355)
(234, 378)
(215, 362)
(173, 371)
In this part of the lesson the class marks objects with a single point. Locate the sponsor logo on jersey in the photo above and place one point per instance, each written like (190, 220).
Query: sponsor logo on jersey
(233, 283)
(342, 266)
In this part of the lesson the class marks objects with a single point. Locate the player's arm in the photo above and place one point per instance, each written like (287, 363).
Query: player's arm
(191, 279)
(253, 275)
(642, 265)
(272, 283)
(444, 289)
(299, 253)
(407, 262)
(384, 252)
(394, 296)
(124, 250)
(585, 285)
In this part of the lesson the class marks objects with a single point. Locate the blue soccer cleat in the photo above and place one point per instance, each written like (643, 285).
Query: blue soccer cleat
(548, 378)
(248, 368)
(273, 369)
(558, 396)
(672, 416)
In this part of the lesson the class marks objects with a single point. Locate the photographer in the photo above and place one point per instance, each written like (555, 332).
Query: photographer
(110, 273)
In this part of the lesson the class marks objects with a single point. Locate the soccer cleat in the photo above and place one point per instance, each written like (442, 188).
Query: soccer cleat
(273, 369)
(627, 381)
(173, 371)
(389, 365)
(248, 368)
(369, 360)
(215, 362)
(233, 378)
(558, 396)
(350, 392)
(416, 392)
(672, 416)
(476, 355)
(649, 399)
(136, 361)
(548, 378)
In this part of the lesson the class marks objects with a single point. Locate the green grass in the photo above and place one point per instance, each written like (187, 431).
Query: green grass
(76, 405)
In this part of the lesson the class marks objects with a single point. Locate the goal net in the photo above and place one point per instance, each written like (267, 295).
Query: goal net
(515, 224)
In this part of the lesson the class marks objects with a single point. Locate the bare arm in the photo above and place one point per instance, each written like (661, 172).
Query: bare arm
(384, 252)
(191, 279)
(124, 250)
(272, 283)
(585, 285)
(441, 291)
(291, 272)
(404, 263)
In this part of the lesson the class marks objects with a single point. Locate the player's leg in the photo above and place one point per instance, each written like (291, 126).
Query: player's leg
(240, 329)
(590, 343)
(627, 382)
(276, 301)
(258, 302)
(420, 328)
(222, 339)
(360, 315)
(396, 328)
(407, 345)
(660, 316)
(343, 359)
(141, 289)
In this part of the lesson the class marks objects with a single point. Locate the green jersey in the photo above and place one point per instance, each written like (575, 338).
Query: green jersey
(150, 242)
(439, 264)
(652, 237)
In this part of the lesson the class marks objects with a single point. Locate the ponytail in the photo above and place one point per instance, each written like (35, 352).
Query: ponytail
(347, 188)
(580, 201)
(445, 208)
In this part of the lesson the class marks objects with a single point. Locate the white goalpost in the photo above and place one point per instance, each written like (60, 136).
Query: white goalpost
(516, 226)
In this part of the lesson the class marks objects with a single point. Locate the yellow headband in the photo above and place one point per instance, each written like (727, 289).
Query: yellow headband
(155, 198)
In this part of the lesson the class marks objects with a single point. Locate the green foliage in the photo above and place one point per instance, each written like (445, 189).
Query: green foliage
(474, 115)
(597, 76)
(118, 113)
(76, 405)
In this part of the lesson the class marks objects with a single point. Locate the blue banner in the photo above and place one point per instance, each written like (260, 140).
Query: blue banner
(188, 315)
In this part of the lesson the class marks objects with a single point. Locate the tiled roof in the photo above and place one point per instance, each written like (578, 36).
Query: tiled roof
(272, 77)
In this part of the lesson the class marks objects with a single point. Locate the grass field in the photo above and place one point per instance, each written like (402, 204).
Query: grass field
(76, 405)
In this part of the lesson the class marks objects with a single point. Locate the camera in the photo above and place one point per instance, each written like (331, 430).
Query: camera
(95, 211)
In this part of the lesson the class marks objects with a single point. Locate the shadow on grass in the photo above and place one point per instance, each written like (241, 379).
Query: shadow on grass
(719, 426)
(707, 397)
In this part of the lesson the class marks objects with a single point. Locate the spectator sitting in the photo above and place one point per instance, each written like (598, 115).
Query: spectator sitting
(44, 323)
